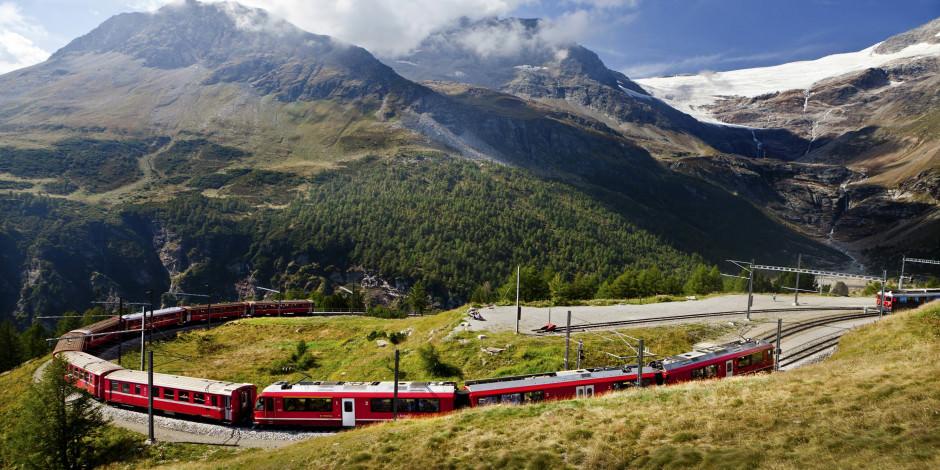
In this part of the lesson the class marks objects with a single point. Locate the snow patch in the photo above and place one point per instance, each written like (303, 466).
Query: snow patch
(406, 62)
(530, 68)
(691, 93)
(634, 93)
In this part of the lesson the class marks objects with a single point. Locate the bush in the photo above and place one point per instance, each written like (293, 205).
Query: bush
(381, 311)
(434, 365)
(397, 337)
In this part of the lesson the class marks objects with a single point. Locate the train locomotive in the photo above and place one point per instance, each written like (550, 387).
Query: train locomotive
(346, 404)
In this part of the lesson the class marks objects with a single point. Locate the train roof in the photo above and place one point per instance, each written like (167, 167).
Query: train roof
(931, 292)
(88, 362)
(326, 387)
(178, 382)
(710, 352)
(551, 378)
(156, 313)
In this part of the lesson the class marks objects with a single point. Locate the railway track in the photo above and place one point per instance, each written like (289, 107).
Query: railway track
(691, 316)
(810, 348)
(799, 327)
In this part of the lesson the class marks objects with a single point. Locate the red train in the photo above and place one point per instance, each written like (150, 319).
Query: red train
(334, 404)
(907, 298)
(343, 404)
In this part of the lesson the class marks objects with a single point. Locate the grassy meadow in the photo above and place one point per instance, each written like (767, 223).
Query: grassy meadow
(874, 404)
(248, 350)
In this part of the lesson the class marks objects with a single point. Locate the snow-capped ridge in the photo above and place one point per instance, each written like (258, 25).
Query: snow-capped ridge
(692, 93)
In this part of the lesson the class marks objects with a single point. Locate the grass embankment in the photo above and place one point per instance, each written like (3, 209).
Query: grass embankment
(875, 404)
(246, 350)
(114, 447)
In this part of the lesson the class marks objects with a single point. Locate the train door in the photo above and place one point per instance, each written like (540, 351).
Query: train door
(584, 391)
(228, 408)
(349, 412)
(729, 368)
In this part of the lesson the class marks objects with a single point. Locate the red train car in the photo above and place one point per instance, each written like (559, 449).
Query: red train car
(89, 337)
(287, 307)
(907, 298)
(210, 399)
(725, 360)
(556, 385)
(87, 372)
(335, 404)
(220, 312)
(160, 318)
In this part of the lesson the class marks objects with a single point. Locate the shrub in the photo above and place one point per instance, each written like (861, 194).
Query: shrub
(433, 364)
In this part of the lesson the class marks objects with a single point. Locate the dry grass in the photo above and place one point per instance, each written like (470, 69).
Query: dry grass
(876, 404)
(245, 350)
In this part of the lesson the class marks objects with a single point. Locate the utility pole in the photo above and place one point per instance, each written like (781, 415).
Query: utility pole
(208, 309)
(901, 279)
(567, 339)
(796, 288)
(395, 390)
(151, 439)
(881, 305)
(120, 326)
(580, 353)
(750, 289)
(518, 307)
(639, 365)
(778, 349)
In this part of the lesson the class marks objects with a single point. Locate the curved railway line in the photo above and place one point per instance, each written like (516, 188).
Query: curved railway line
(690, 316)
(99, 337)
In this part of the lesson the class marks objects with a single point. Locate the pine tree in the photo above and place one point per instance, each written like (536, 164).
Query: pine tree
(418, 298)
(57, 424)
(33, 341)
(11, 353)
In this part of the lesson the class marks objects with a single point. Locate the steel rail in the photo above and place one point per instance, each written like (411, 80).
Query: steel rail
(636, 321)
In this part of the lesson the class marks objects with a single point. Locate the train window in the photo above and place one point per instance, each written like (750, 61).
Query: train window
(156, 392)
(168, 393)
(137, 390)
(308, 404)
(744, 361)
(511, 398)
(347, 407)
(426, 405)
(536, 396)
(199, 399)
(482, 401)
(183, 396)
(260, 405)
(383, 405)
(114, 386)
(126, 388)
(705, 372)
(320, 404)
(214, 400)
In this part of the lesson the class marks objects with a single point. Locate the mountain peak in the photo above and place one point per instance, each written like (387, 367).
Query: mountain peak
(182, 34)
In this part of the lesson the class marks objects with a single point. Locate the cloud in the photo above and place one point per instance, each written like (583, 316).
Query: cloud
(17, 49)
(652, 69)
(385, 27)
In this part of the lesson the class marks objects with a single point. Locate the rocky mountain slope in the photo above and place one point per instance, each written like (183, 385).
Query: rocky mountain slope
(875, 112)
(192, 129)
(524, 58)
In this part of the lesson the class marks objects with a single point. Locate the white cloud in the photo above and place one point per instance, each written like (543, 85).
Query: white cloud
(17, 33)
(385, 27)
(509, 38)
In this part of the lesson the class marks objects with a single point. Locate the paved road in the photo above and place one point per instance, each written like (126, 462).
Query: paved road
(504, 318)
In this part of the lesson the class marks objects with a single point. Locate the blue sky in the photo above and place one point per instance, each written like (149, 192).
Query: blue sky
(639, 37)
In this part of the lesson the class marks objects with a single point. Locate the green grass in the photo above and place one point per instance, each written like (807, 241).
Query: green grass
(245, 350)
(875, 404)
